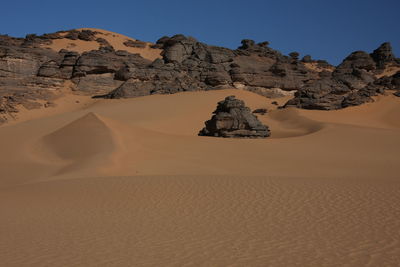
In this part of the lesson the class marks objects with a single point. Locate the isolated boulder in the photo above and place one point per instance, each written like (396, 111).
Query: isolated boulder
(233, 119)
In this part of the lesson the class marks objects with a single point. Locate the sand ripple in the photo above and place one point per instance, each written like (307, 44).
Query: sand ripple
(201, 221)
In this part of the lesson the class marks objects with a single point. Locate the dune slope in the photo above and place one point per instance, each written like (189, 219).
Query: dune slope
(81, 139)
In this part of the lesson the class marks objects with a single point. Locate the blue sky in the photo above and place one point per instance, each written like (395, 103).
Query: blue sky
(325, 29)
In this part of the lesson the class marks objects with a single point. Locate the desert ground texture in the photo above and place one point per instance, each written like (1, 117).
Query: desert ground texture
(128, 182)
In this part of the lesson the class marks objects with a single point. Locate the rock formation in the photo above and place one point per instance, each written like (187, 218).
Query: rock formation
(31, 73)
(233, 119)
(189, 65)
(352, 83)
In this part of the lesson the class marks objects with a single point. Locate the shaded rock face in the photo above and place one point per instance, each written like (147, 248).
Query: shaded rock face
(233, 119)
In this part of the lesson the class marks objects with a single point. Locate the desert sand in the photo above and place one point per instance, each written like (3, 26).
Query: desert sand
(129, 183)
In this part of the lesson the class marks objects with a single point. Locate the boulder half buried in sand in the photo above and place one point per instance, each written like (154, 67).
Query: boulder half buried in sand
(233, 119)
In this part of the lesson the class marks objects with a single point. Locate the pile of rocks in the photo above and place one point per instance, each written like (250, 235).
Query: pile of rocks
(233, 119)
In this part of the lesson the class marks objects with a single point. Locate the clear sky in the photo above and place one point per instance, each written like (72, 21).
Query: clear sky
(326, 29)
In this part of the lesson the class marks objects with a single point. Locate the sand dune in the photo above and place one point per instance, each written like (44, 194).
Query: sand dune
(129, 183)
(83, 138)
(289, 123)
(79, 144)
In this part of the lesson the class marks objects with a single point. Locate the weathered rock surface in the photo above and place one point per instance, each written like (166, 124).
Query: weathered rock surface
(233, 119)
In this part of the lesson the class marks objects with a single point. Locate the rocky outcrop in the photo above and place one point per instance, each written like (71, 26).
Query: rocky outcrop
(190, 65)
(257, 65)
(26, 68)
(233, 119)
(352, 83)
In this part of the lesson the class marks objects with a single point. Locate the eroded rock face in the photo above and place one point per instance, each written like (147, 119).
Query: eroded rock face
(233, 119)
